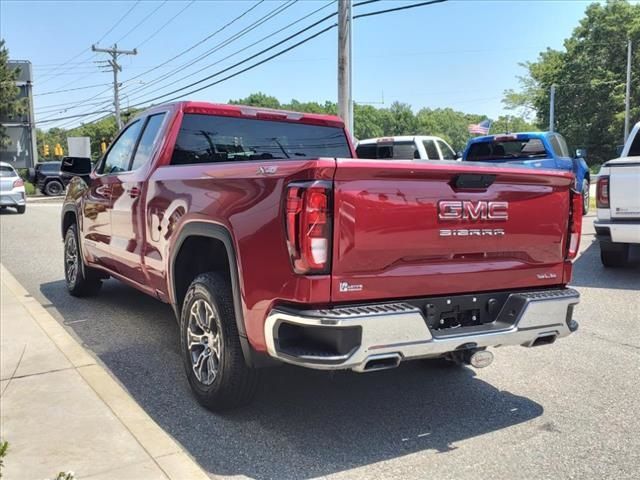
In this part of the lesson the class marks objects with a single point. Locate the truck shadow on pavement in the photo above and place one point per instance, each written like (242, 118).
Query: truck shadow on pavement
(588, 271)
(303, 423)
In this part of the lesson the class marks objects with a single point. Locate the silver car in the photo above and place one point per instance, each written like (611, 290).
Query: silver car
(12, 193)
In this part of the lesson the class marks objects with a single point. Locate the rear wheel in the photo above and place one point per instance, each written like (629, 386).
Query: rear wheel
(211, 350)
(53, 188)
(82, 281)
(21, 209)
(614, 254)
(585, 196)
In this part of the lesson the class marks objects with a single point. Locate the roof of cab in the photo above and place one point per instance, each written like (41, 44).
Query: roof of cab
(246, 111)
(515, 135)
(398, 138)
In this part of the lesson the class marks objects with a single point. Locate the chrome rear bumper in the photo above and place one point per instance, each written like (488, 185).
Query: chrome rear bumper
(399, 330)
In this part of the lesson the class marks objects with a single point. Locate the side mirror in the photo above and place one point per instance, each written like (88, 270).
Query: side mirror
(619, 150)
(581, 153)
(76, 166)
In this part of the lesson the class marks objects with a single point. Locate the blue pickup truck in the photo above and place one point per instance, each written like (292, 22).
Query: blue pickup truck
(533, 149)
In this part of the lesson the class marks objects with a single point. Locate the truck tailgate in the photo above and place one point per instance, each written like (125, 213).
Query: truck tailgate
(624, 183)
(406, 229)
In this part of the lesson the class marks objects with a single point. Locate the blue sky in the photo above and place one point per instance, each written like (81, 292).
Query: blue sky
(461, 54)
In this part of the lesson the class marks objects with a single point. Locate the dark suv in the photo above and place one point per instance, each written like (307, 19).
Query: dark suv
(48, 178)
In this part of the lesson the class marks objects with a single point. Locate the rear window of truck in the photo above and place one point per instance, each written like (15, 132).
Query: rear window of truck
(506, 150)
(210, 139)
(381, 151)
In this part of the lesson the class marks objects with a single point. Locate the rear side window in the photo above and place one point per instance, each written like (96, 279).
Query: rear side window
(50, 167)
(382, 151)
(634, 150)
(432, 151)
(209, 139)
(559, 146)
(7, 172)
(447, 153)
(147, 141)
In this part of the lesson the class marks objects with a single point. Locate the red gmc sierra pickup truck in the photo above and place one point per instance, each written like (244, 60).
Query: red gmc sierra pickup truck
(273, 243)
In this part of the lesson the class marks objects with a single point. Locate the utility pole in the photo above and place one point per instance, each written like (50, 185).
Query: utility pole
(627, 99)
(552, 108)
(345, 98)
(115, 53)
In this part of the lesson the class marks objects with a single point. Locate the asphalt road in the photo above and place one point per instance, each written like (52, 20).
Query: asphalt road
(569, 410)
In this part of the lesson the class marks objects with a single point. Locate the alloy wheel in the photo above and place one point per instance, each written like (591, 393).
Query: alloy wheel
(204, 343)
(71, 259)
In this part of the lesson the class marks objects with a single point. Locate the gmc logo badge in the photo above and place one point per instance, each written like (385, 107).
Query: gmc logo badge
(469, 210)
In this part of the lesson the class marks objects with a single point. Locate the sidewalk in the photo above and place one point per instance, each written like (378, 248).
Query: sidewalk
(62, 411)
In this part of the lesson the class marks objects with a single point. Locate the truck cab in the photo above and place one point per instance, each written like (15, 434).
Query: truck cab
(417, 147)
(618, 203)
(531, 149)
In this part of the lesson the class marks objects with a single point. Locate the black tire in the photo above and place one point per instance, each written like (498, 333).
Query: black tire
(614, 254)
(21, 209)
(82, 281)
(234, 383)
(585, 196)
(53, 188)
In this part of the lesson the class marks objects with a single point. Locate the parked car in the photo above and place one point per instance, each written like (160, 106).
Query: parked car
(274, 245)
(12, 193)
(406, 147)
(618, 204)
(48, 178)
(533, 149)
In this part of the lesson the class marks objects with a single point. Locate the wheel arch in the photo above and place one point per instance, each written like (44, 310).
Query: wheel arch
(190, 234)
(69, 217)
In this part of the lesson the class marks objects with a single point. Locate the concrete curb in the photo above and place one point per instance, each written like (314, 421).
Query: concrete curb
(160, 446)
(44, 199)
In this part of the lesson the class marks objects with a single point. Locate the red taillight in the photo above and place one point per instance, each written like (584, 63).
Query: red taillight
(18, 183)
(575, 225)
(309, 226)
(602, 192)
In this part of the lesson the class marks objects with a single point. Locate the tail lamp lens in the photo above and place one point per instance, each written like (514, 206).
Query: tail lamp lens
(309, 226)
(575, 225)
(18, 183)
(602, 192)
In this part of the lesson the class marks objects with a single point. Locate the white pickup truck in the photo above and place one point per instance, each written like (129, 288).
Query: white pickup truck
(618, 202)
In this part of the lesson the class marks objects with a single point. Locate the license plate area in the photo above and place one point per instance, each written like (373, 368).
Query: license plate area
(459, 311)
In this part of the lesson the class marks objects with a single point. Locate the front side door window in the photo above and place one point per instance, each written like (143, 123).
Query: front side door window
(119, 156)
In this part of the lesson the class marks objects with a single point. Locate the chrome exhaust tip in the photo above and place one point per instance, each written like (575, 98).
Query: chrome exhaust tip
(381, 362)
(478, 358)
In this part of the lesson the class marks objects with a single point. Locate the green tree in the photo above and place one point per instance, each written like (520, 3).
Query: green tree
(10, 104)
(589, 74)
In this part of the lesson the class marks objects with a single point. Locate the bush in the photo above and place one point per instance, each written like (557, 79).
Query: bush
(29, 188)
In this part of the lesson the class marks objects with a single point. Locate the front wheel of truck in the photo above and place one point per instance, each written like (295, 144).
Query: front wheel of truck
(82, 281)
(210, 344)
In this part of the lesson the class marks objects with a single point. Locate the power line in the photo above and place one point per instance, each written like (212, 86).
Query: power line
(119, 21)
(80, 104)
(70, 90)
(101, 38)
(397, 9)
(140, 22)
(281, 52)
(216, 48)
(166, 23)
(277, 44)
(72, 116)
(201, 41)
